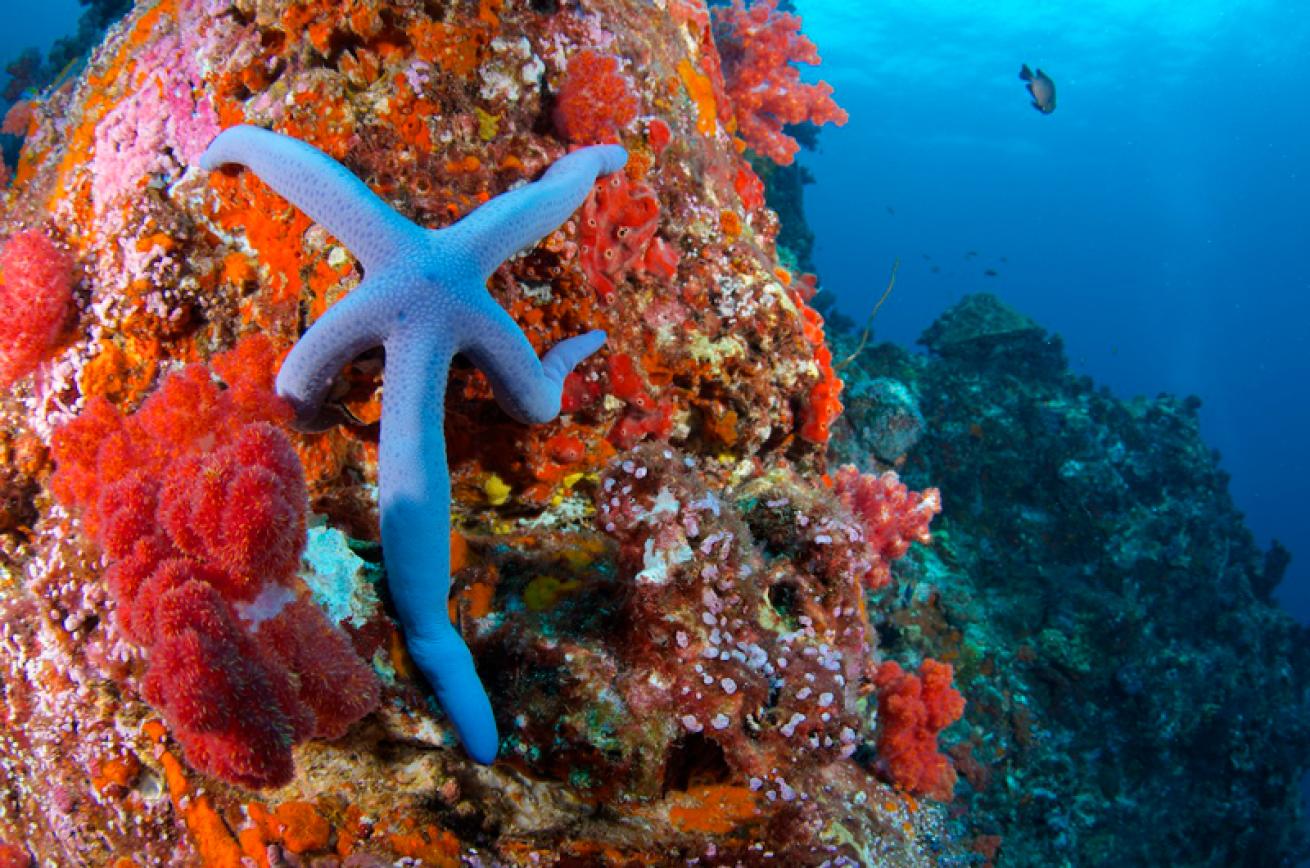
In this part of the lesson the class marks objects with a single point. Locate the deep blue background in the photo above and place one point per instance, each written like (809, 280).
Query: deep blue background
(1157, 220)
(35, 24)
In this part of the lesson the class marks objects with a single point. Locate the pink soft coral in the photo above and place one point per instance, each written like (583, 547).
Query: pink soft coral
(892, 515)
(36, 297)
(758, 45)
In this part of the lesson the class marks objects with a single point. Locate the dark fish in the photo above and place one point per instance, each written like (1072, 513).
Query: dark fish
(971, 254)
(1041, 87)
(991, 272)
(936, 269)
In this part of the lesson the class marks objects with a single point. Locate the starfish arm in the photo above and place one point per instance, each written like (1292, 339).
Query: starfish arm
(354, 324)
(526, 388)
(521, 217)
(414, 503)
(318, 185)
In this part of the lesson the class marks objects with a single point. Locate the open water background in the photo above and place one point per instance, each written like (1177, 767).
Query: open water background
(1158, 219)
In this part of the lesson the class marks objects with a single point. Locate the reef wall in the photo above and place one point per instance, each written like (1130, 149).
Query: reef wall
(663, 589)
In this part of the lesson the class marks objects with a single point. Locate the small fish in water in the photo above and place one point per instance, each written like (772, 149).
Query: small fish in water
(971, 254)
(1041, 87)
(891, 210)
(991, 272)
(936, 269)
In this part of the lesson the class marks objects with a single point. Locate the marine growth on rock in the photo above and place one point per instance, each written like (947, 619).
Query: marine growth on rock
(201, 633)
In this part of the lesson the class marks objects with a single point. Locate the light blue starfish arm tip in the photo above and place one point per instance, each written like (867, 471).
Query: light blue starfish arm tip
(612, 158)
(447, 664)
(593, 160)
(219, 150)
(570, 352)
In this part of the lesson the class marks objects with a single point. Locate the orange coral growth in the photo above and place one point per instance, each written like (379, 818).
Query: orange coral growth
(455, 48)
(714, 809)
(438, 847)
(302, 827)
(701, 91)
(730, 223)
(246, 206)
(595, 100)
(212, 838)
(824, 405)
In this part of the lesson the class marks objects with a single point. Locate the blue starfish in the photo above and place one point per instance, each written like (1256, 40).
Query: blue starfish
(424, 298)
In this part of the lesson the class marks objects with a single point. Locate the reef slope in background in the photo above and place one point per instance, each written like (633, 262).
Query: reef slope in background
(624, 574)
(1135, 695)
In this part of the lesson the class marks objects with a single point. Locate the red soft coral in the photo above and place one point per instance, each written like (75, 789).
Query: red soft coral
(891, 514)
(198, 504)
(235, 715)
(912, 710)
(332, 681)
(824, 404)
(240, 509)
(594, 100)
(249, 369)
(758, 46)
(36, 297)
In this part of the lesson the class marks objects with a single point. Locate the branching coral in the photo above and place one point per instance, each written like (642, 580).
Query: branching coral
(758, 45)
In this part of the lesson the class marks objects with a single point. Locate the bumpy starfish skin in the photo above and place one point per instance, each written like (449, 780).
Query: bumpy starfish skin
(424, 298)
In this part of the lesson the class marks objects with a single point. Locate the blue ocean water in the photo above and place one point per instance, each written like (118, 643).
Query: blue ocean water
(1157, 219)
(27, 25)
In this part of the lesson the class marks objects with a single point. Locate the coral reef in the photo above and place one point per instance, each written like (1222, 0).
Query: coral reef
(200, 648)
(707, 644)
(1107, 613)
